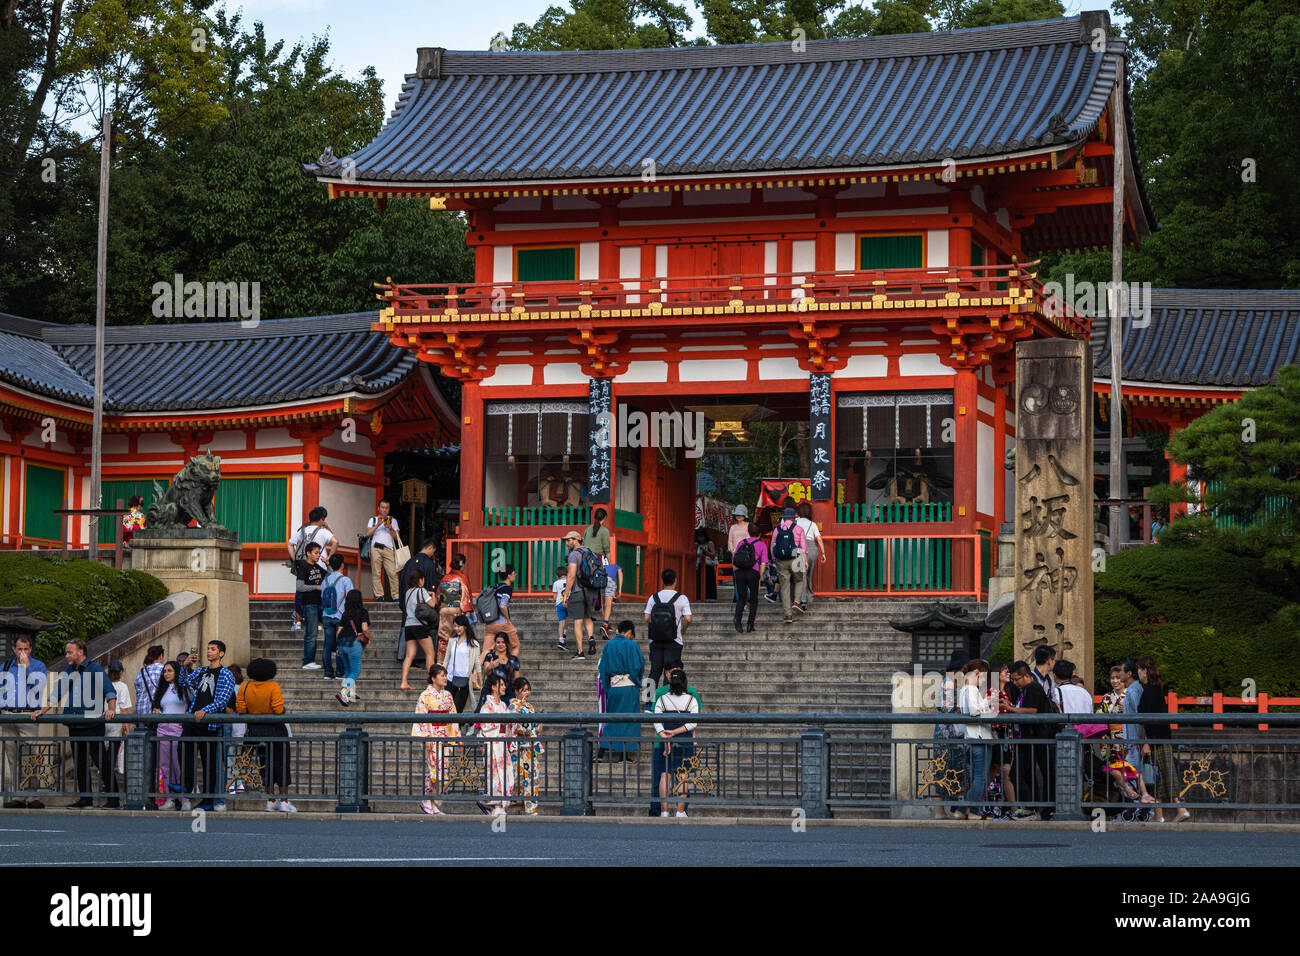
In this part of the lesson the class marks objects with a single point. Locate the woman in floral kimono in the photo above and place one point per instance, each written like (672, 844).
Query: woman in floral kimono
(524, 753)
(435, 699)
(500, 771)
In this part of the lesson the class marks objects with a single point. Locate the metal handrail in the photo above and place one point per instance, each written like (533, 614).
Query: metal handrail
(640, 717)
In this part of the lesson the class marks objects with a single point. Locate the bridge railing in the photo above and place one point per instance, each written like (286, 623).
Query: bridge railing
(810, 764)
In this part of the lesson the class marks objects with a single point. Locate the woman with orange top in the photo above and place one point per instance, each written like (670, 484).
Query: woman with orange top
(260, 694)
(455, 596)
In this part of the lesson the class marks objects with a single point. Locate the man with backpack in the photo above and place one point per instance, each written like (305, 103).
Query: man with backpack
(668, 612)
(307, 595)
(493, 609)
(333, 590)
(788, 547)
(749, 560)
(314, 531)
(584, 586)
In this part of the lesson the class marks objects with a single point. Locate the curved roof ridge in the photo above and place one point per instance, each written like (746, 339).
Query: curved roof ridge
(930, 43)
(57, 334)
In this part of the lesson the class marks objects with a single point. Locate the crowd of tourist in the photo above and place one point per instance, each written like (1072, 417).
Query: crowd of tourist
(1122, 761)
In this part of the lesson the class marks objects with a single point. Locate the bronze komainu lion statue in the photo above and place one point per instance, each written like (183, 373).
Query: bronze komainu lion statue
(189, 498)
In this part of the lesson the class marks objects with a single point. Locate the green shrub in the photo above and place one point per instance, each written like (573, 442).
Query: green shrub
(85, 598)
(1207, 608)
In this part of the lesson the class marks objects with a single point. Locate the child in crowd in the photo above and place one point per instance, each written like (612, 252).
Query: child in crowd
(561, 574)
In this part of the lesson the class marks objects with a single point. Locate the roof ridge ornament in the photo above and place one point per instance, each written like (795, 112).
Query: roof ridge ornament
(327, 159)
(428, 62)
(1090, 20)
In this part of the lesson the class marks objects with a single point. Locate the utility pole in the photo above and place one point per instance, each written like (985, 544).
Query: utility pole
(1118, 484)
(101, 282)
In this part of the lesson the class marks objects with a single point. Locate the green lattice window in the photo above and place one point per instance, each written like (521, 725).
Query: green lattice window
(554, 264)
(256, 509)
(44, 489)
(891, 252)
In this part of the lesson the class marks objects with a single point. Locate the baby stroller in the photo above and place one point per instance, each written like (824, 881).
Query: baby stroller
(996, 807)
(1141, 810)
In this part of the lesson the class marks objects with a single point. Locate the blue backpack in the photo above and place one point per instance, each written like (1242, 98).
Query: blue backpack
(329, 596)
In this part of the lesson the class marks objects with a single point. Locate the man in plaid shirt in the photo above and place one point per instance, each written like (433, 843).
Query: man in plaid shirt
(211, 689)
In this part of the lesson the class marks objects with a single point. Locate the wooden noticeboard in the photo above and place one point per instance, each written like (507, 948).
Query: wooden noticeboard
(414, 491)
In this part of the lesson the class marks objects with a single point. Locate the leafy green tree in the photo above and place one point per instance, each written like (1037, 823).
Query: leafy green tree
(1248, 453)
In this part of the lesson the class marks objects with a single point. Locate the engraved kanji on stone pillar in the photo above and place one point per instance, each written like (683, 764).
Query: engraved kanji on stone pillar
(1054, 532)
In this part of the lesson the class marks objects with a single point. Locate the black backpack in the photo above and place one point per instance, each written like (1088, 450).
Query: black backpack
(783, 546)
(487, 606)
(663, 620)
(745, 557)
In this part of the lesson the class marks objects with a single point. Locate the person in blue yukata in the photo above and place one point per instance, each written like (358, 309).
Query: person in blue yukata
(621, 667)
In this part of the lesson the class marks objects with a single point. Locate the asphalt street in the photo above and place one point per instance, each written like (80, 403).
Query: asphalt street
(89, 840)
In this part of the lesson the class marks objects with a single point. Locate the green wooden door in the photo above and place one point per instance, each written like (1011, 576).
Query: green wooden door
(890, 252)
(44, 490)
(256, 509)
(535, 265)
(110, 491)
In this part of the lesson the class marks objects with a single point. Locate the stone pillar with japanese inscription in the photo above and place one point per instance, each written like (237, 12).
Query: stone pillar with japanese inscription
(1054, 511)
(821, 478)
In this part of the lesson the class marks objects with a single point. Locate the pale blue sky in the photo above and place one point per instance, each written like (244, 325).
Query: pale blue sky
(385, 33)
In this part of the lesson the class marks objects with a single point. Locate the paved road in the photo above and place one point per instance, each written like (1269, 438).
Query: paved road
(51, 839)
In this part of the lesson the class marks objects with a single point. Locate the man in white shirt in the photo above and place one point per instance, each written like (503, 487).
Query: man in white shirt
(667, 654)
(383, 533)
(113, 734)
(314, 530)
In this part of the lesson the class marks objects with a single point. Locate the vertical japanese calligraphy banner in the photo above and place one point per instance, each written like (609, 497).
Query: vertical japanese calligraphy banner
(1054, 511)
(601, 393)
(821, 469)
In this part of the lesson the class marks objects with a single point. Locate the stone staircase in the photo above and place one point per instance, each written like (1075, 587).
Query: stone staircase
(838, 658)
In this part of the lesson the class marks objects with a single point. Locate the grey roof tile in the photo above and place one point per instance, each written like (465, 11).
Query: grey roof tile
(198, 366)
(1231, 338)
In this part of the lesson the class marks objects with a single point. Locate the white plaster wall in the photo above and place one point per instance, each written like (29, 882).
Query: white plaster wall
(274, 438)
(503, 263)
(296, 515)
(984, 469)
(863, 366)
(661, 263)
(510, 375)
(349, 506)
(803, 257)
(923, 187)
(564, 374)
(844, 257)
(35, 438)
(288, 462)
(984, 405)
(156, 444)
(1003, 218)
(780, 368)
(923, 363)
(769, 261)
(226, 441)
(629, 267)
(936, 248)
(644, 372)
(588, 260)
(977, 197)
(361, 446)
(116, 444)
(715, 370)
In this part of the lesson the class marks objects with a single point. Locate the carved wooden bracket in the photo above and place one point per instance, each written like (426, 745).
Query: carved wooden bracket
(820, 354)
(599, 361)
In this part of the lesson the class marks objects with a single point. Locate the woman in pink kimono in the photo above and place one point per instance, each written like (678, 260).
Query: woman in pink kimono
(435, 699)
(497, 737)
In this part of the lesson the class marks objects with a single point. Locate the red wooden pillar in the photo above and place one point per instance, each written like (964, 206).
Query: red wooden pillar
(999, 456)
(311, 439)
(471, 460)
(1177, 475)
(965, 474)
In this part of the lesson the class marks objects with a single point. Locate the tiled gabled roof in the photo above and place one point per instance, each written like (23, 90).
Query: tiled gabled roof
(1234, 338)
(210, 365)
(482, 118)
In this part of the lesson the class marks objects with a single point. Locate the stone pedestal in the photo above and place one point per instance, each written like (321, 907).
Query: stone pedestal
(1054, 520)
(1003, 579)
(196, 560)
